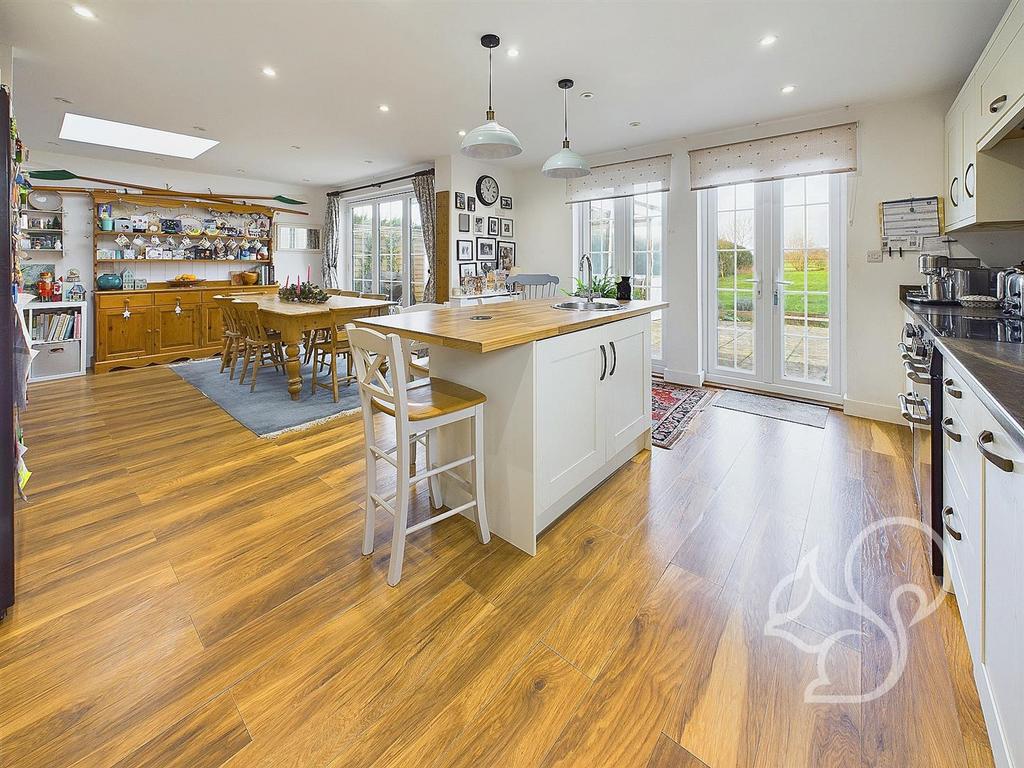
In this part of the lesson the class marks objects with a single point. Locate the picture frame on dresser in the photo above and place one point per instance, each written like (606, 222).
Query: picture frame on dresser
(467, 270)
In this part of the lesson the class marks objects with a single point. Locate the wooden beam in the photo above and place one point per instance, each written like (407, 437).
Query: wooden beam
(442, 248)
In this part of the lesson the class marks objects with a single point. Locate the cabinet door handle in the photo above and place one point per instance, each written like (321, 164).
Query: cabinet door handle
(997, 103)
(948, 512)
(615, 359)
(951, 390)
(970, 167)
(951, 185)
(604, 363)
(1002, 462)
(947, 427)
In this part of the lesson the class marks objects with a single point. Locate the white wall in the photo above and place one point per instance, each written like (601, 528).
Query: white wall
(79, 218)
(901, 154)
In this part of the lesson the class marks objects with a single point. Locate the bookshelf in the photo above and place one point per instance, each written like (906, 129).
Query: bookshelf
(57, 331)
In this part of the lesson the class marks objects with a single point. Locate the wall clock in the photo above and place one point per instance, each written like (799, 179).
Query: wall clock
(487, 190)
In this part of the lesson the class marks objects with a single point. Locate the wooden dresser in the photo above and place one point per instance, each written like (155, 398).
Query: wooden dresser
(160, 324)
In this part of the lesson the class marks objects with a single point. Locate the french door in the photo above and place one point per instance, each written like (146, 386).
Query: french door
(386, 249)
(774, 265)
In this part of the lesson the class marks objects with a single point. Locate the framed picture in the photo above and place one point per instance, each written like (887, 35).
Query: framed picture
(487, 266)
(479, 225)
(470, 203)
(468, 270)
(463, 222)
(506, 228)
(493, 227)
(464, 250)
(485, 248)
(460, 200)
(506, 255)
(506, 203)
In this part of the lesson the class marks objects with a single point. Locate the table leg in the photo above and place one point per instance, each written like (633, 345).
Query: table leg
(292, 364)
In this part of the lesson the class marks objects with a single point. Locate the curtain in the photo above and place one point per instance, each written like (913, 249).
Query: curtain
(333, 241)
(423, 186)
(804, 153)
(635, 177)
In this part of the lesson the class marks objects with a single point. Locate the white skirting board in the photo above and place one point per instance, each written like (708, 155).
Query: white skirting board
(889, 413)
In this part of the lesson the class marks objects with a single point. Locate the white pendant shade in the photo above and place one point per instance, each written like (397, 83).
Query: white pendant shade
(491, 141)
(565, 164)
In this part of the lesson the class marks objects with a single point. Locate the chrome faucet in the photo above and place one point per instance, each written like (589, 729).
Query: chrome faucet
(588, 290)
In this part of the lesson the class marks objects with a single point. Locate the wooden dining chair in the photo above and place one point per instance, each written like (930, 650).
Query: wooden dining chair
(332, 343)
(339, 292)
(262, 346)
(232, 336)
(419, 408)
(538, 286)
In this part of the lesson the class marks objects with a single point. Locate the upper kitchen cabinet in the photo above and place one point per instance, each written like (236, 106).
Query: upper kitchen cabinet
(984, 144)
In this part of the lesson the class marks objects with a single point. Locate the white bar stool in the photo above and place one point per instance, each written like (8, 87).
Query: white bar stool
(419, 409)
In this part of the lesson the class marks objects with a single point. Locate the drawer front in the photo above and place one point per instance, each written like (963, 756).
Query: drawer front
(1003, 87)
(115, 300)
(965, 560)
(57, 359)
(961, 457)
(185, 299)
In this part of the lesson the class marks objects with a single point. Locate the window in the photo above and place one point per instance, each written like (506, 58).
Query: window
(625, 236)
(291, 238)
(386, 249)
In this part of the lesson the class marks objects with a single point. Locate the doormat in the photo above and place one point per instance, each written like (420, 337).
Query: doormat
(774, 408)
(673, 408)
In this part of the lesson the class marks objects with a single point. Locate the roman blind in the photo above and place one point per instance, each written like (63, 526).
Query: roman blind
(804, 153)
(634, 177)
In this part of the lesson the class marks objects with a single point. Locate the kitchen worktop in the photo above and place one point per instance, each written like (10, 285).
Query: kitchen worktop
(996, 367)
(503, 325)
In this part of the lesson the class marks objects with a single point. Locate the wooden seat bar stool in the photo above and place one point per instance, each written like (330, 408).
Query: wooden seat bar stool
(418, 408)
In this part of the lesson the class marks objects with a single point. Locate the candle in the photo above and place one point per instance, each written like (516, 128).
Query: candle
(286, 281)
(308, 272)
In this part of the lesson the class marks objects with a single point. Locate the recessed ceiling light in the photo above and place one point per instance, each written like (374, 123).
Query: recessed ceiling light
(270, 72)
(305, 179)
(462, 133)
(634, 123)
(768, 40)
(239, 170)
(296, 146)
(108, 133)
(513, 52)
(84, 12)
(368, 162)
(587, 95)
(198, 128)
(384, 108)
(62, 100)
(788, 88)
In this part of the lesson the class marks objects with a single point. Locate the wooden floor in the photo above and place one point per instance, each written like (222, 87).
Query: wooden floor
(191, 595)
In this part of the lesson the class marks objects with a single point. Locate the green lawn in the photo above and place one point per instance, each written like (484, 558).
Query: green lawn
(817, 305)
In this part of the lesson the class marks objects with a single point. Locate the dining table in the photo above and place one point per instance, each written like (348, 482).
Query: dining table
(294, 318)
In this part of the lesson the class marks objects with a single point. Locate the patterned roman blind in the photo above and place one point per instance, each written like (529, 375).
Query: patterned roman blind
(804, 153)
(635, 177)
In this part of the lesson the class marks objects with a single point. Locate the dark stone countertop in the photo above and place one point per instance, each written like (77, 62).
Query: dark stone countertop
(996, 367)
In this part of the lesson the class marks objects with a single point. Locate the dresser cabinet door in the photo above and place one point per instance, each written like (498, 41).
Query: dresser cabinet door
(177, 328)
(628, 382)
(213, 327)
(119, 337)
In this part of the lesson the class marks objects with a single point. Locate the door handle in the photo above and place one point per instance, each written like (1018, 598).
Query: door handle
(615, 359)
(970, 167)
(948, 512)
(951, 185)
(997, 103)
(947, 427)
(1002, 462)
(783, 282)
(604, 363)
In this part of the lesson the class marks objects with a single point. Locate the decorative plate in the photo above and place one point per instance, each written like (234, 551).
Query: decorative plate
(45, 201)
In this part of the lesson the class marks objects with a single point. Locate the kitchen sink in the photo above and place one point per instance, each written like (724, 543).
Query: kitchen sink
(586, 306)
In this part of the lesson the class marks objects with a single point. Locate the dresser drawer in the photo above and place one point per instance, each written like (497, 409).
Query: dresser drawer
(184, 298)
(964, 558)
(960, 457)
(114, 300)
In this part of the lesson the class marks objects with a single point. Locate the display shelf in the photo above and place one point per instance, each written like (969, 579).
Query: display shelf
(194, 261)
(111, 233)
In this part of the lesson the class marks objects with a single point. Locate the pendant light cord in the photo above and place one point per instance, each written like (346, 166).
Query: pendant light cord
(490, 107)
(565, 112)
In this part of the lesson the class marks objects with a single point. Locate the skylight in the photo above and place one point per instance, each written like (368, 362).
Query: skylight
(108, 133)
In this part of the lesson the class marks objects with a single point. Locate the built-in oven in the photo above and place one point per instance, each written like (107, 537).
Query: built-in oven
(921, 407)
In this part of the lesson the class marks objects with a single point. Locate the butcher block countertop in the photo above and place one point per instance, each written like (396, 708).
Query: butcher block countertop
(508, 324)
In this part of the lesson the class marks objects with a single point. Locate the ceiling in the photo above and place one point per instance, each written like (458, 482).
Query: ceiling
(677, 68)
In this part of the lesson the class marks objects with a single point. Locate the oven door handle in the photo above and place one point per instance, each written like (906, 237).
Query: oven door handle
(916, 374)
(906, 412)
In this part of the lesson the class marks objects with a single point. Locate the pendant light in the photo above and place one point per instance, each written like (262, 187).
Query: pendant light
(490, 141)
(565, 164)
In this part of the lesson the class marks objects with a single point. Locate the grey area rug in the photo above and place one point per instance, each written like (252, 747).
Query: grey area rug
(269, 410)
(773, 408)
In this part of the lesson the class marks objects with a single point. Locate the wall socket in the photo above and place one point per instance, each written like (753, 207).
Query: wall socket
(874, 257)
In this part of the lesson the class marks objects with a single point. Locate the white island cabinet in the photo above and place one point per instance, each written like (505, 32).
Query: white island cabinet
(568, 400)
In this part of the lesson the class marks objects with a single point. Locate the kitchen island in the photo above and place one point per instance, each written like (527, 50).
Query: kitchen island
(568, 400)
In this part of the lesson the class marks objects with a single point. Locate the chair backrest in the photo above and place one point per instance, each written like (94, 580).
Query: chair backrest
(371, 351)
(421, 307)
(228, 315)
(339, 292)
(248, 316)
(539, 286)
(378, 296)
